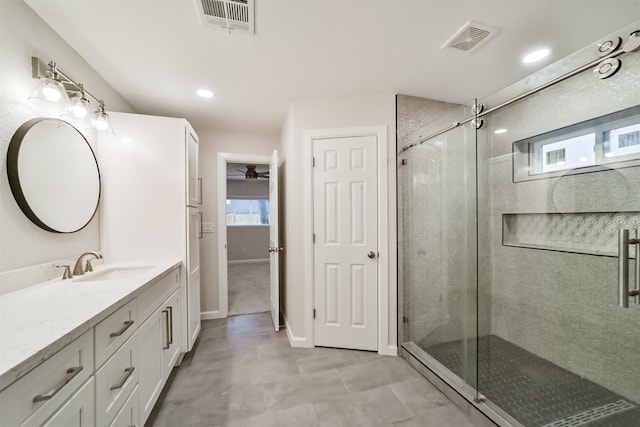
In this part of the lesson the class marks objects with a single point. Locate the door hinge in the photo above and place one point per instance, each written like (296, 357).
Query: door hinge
(313, 162)
(403, 162)
(405, 319)
(314, 313)
(314, 237)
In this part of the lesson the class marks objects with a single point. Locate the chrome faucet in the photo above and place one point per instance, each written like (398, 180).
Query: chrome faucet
(77, 269)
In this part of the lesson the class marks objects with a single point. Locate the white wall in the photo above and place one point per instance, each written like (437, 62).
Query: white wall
(323, 114)
(22, 35)
(213, 142)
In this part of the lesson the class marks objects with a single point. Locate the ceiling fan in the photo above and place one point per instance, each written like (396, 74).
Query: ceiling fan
(251, 173)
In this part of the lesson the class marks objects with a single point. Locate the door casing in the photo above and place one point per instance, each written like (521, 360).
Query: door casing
(384, 311)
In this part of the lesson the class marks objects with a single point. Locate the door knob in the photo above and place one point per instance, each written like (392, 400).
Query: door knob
(371, 254)
(270, 249)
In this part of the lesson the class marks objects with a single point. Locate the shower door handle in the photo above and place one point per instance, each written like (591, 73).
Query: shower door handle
(624, 241)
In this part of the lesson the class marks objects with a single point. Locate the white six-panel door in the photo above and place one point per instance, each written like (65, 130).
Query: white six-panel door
(346, 235)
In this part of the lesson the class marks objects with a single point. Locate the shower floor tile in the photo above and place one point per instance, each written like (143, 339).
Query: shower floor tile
(531, 389)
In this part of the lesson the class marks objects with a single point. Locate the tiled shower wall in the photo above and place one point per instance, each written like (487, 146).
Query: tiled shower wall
(559, 305)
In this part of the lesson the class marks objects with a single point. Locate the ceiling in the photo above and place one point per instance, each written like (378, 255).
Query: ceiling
(157, 53)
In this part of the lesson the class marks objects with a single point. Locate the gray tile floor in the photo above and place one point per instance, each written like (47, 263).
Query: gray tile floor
(249, 290)
(241, 373)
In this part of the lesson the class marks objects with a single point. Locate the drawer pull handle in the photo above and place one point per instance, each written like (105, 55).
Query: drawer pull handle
(171, 323)
(127, 325)
(127, 374)
(168, 327)
(71, 374)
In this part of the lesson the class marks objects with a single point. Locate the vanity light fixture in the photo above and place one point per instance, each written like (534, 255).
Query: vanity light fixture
(536, 55)
(80, 105)
(50, 88)
(102, 121)
(55, 86)
(205, 93)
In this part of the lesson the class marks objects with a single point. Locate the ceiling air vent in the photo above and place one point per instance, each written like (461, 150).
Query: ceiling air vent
(471, 36)
(229, 14)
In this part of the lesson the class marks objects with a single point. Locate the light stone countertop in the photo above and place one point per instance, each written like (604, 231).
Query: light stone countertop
(40, 320)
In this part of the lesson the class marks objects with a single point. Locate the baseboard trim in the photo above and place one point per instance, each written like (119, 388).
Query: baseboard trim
(247, 261)
(293, 340)
(390, 350)
(208, 315)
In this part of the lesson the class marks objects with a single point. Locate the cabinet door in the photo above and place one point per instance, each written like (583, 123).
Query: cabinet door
(78, 411)
(171, 347)
(194, 184)
(150, 379)
(193, 277)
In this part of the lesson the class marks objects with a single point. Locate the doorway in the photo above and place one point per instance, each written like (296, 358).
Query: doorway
(246, 223)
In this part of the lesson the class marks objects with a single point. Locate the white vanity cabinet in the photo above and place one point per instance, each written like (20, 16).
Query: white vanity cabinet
(36, 396)
(112, 374)
(158, 340)
(151, 201)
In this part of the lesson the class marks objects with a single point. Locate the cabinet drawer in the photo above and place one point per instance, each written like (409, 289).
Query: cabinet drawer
(158, 293)
(39, 393)
(113, 331)
(77, 411)
(115, 381)
(129, 415)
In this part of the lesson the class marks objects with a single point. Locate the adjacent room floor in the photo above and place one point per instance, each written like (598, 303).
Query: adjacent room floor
(249, 290)
(242, 373)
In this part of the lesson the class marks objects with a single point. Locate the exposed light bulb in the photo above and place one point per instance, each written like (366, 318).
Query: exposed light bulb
(536, 55)
(101, 123)
(51, 93)
(79, 111)
(205, 93)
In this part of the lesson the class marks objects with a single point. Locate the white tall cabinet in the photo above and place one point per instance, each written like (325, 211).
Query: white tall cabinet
(151, 195)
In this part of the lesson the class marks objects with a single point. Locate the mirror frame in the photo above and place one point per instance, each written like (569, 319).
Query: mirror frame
(13, 173)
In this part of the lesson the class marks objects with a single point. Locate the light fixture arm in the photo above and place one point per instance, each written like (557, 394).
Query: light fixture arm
(38, 72)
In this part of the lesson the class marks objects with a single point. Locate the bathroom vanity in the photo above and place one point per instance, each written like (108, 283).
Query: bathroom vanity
(93, 350)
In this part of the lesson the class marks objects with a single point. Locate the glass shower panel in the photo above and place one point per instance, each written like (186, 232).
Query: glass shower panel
(438, 247)
(555, 346)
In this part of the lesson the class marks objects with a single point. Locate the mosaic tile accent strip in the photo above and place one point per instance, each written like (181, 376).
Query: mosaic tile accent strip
(586, 233)
(533, 390)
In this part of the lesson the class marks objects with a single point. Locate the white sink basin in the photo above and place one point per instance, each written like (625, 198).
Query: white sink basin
(115, 273)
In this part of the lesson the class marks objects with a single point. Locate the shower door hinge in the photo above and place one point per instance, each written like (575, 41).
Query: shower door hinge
(405, 319)
(403, 162)
(314, 313)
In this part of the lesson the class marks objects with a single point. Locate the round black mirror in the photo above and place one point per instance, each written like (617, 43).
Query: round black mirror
(53, 175)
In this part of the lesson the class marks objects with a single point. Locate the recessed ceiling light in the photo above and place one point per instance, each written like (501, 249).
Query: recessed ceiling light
(536, 55)
(499, 131)
(205, 93)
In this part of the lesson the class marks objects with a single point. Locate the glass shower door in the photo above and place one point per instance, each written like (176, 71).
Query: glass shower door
(437, 212)
(558, 179)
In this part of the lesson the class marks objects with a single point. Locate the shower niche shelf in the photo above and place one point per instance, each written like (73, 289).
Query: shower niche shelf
(591, 233)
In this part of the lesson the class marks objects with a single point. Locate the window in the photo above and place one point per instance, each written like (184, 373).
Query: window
(248, 211)
(589, 146)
